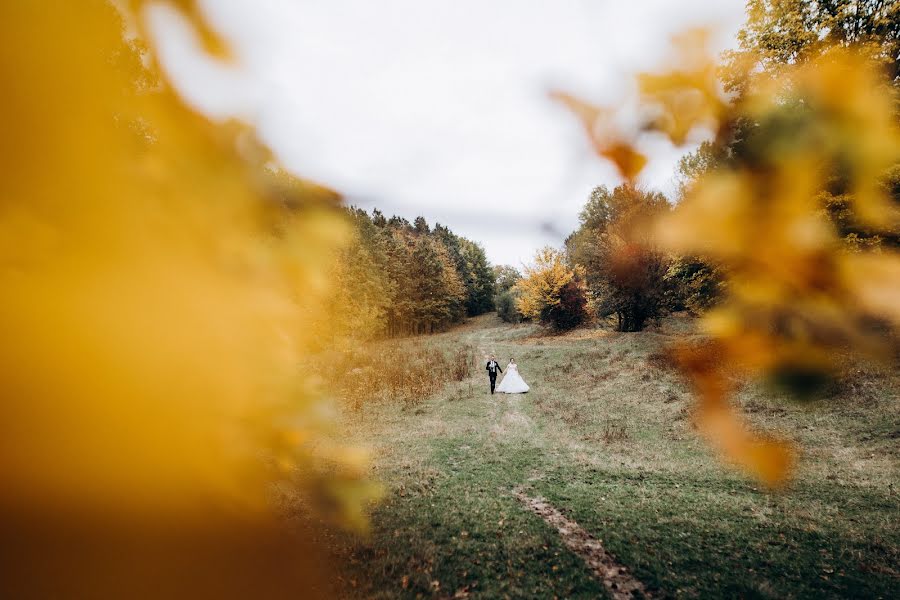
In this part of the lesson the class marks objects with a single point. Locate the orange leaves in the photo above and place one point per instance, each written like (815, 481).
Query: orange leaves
(767, 459)
(597, 123)
(795, 296)
(674, 103)
(770, 461)
(627, 159)
(540, 288)
(688, 96)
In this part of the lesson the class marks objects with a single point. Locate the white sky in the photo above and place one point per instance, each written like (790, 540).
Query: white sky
(439, 107)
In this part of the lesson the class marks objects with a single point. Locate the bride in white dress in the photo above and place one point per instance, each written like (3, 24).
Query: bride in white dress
(512, 382)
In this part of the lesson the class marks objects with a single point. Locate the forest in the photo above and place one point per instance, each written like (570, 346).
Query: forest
(400, 278)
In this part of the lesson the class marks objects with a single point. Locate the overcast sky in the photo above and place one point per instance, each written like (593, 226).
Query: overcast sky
(438, 107)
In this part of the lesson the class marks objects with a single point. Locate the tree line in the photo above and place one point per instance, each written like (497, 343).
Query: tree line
(611, 268)
(399, 278)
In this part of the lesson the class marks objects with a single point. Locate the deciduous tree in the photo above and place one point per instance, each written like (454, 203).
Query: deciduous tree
(552, 292)
(625, 272)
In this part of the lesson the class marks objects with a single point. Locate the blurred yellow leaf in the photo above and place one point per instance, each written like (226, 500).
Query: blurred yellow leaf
(795, 297)
(770, 461)
(687, 96)
(213, 43)
(597, 123)
(158, 281)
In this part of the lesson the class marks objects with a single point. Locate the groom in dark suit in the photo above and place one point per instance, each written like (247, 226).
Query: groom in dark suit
(492, 367)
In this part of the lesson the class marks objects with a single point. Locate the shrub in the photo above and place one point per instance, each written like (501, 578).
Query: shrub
(506, 307)
(571, 311)
(694, 284)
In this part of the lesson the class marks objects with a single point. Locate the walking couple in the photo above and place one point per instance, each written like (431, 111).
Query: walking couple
(512, 382)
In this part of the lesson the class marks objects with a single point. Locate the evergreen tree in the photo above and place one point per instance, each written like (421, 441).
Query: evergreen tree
(421, 226)
(479, 279)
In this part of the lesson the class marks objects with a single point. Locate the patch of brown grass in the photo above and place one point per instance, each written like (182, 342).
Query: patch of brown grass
(403, 371)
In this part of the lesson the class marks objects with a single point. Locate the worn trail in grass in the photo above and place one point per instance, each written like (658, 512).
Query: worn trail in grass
(604, 437)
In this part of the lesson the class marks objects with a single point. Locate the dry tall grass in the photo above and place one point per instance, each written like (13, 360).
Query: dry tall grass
(404, 371)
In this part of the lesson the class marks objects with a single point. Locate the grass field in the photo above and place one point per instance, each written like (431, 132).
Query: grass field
(605, 437)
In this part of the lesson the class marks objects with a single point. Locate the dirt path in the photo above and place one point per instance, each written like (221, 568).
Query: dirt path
(530, 496)
(618, 581)
(510, 420)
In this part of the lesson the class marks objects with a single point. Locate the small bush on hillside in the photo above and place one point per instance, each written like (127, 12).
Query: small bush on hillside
(506, 307)
(571, 311)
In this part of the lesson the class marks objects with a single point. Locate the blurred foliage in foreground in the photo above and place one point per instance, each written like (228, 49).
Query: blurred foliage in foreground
(158, 282)
(760, 208)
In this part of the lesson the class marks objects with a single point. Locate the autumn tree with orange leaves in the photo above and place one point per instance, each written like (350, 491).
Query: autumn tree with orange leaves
(552, 292)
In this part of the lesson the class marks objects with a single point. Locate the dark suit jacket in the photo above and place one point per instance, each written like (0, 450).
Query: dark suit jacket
(492, 367)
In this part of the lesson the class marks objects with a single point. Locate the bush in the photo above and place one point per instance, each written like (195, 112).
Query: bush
(506, 307)
(572, 308)
(695, 285)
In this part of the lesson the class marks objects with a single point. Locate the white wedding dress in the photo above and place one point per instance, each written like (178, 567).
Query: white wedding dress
(512, 382)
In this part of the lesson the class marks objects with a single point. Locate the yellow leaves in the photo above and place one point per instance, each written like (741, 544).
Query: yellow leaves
(540, 288)
(626, 157)
(711, 223)
(875, 281)
(795, 296)
(674, 103)
(769, 460)
(768, 226)
(597, 123)
(729, 212)
(851, 125)
(688, 96)
(158, 289)
(213, 43)
(158, 285)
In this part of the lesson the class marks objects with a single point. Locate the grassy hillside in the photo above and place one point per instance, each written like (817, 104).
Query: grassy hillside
(605, 437)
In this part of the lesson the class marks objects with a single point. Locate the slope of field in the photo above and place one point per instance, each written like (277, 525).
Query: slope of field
(604, 441)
